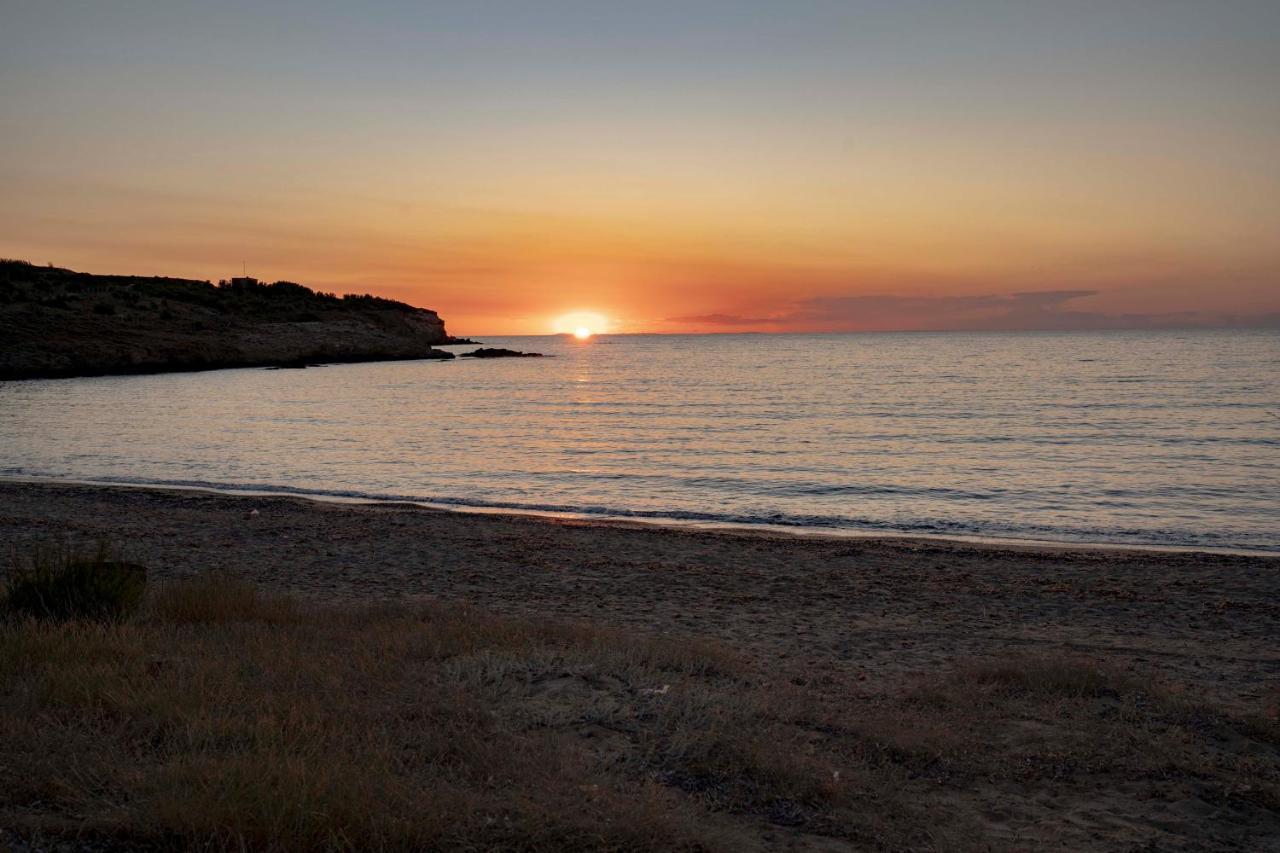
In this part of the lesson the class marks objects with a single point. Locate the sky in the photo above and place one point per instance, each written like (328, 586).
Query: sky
(664, 166)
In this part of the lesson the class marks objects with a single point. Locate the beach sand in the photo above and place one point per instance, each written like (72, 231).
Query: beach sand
(853, 623)
(879, 608)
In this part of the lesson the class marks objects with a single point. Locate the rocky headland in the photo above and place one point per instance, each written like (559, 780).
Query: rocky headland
(58, 323)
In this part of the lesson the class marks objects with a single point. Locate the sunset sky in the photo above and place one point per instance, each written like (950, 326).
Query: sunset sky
(690, 166)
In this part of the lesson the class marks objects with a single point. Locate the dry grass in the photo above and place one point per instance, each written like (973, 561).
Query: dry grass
(215, 598)
(224, 719)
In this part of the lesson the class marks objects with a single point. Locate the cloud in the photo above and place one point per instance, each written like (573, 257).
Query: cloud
(722, 320)
(1024, 310)
(1027, 309)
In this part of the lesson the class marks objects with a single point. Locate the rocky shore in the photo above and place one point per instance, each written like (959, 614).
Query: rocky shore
(499, 352)
(60, 323)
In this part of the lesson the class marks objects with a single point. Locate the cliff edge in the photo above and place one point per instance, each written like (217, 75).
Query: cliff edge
(55, 323)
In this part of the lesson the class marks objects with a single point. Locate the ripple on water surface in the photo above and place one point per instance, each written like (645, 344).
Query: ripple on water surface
(1129, 437)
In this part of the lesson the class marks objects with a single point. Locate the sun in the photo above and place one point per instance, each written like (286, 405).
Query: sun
(583, 325)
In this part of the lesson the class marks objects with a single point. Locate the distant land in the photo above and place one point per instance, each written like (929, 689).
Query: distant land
(58, 323)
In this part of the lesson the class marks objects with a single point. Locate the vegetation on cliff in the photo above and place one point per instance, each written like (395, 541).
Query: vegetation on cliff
(57, 322)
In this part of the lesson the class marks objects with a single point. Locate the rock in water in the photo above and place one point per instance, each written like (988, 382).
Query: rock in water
(499, 352)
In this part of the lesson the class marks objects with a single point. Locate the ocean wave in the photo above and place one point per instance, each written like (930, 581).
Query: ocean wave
(930, 527)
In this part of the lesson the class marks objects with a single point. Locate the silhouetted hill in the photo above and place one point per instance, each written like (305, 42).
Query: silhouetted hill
(56, 322)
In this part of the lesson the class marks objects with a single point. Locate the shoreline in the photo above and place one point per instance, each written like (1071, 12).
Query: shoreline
(434, 353)
(666, 522)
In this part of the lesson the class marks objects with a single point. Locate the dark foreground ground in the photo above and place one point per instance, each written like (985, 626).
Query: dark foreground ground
(735, 691)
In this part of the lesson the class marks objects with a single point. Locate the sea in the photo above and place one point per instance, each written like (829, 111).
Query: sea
(1150, 438)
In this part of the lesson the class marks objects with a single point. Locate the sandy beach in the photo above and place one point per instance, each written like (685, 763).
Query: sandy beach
(876, 609)
(713, 690)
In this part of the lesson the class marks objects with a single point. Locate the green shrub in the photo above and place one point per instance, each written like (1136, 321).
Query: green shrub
(57, 582)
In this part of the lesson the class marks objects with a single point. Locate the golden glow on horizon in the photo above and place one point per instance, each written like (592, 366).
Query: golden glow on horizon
(581, 324)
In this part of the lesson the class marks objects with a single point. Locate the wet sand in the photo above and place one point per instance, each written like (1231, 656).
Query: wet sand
(870, 611)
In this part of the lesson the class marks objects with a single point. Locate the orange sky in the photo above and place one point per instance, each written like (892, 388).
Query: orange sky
(706, 168)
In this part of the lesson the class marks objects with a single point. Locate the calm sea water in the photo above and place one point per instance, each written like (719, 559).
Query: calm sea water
(1168, 438)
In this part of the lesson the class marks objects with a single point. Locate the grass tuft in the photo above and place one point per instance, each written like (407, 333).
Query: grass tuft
(61, 582)
(1058, 677)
